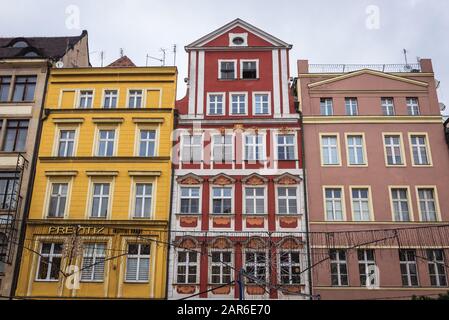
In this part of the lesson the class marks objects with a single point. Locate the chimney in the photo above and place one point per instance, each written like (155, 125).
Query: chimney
(303, 66)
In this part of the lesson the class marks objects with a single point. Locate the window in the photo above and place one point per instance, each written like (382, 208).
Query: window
(20, 44)
(393, 149)
(286, 147)
(400, 204)
(222, 200)
(16, 136)
(256, 266)
(351, 105)
(356, 152)
(100, 201)
(254, 147)
(409, 271)
(66, 143)
(249, 69)
(138, 263)
(135, 99)
(419, 150)
(437, 268)
(388, 106)
(326, 107)
(216, 104)
(24, 87)
(110, 99)
(366, 264)
(144, 195)
(50, 261)
(190, 200)
(147, 145)
(187, 267)
(9, 184)
(94, 256)
(412, 106)
(238, 104)
(339, 268)
(361, 204)
(86, 99)
(221, 262)
(58, 200)
(255, 200)
(3, 249)
(192, 147)
(106, 143)
(329, 150)
(427, 204)
(334, 204)
(227, 70)
(287, 200)
(290, 267)
(5, 85)
(261, 104)
(222, 148)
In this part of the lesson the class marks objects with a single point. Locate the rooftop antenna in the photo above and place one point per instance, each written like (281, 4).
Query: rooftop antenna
(164, 54)
(150, 57)
(102, 58)
(122, 52)
(407, 66)
(174, 54)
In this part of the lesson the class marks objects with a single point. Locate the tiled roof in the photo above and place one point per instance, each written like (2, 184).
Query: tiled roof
(122, 62)
(43, 47)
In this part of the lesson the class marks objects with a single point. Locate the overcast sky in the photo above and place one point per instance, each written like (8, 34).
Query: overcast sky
(322, 31)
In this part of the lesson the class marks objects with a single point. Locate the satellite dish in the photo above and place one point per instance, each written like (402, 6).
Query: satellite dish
(59, 64)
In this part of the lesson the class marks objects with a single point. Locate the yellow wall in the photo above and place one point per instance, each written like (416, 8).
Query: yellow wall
(123, 170)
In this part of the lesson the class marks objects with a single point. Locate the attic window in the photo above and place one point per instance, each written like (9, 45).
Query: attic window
(20, 44)
(238, 39)
(31, 54)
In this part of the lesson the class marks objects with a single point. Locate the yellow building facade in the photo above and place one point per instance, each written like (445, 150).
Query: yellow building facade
(99, 214)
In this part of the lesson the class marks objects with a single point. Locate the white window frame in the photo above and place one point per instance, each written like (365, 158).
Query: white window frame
(355, 148)
(360, 201)
(88, 97)
(95, 255)
(235, 68)
(59, 196)
(285, 145)
(129, 95)
(435, 200)
(340, 262)
(221, 265)
(334, 201)
(367, 263)
(254, 146)
(50, 256)
(99, 140)
(351, 105)
(102, 196)
(257, 68)
(326, 107)
(139, 256)
(187, 264)
(253, 198)
(287, 198)
(222, 197)
(223, 145)
(337, 146)
(409, 204)
(209, 101)
(66, 141)
(407, 264)
(105, 95)
(290, 266)
(190, 197)
(231, 95)
(433, 261)
(148, 141)
(256, 264)
(388, 108)
(183, 145)
(413, 106)
(426, 145)
(144, 198)
(259, 93)
(391, 146)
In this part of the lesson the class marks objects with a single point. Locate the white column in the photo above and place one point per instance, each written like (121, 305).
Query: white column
(276, 90)
(200, 96)
(284, 77)
(192, 83)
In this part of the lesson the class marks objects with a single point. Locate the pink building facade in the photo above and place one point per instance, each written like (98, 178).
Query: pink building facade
(376, 159)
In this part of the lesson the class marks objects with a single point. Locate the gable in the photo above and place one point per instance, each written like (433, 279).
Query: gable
(368, 80)
(252, 35)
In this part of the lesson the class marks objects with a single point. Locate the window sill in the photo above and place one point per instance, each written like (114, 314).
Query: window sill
(92, 281)
(136, 282)
(17, 102)
(288, 215)
(255, 214)
(188, 214)
(46, 281)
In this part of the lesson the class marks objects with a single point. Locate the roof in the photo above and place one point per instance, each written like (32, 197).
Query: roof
(42, 47)
(238, 23)
(122, 63)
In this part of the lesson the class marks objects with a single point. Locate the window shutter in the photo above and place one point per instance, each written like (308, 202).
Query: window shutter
(131, 269)
(144, 269)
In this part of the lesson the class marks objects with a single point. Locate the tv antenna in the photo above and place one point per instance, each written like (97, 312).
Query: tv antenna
(102, 58)
(162, 61)
(174, 54)
(122, 52)
(407, 66)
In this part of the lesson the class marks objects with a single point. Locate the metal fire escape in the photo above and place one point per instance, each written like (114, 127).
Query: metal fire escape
(10, 218)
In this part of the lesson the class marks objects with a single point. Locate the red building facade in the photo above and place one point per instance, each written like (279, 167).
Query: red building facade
(237, 210)
(377, 168)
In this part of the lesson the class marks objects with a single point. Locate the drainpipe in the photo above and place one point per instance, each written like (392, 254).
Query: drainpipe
(29, 193)
(306, 211)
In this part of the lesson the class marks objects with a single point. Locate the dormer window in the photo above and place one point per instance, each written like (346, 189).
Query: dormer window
(227, 69)
(20, 44)
(31, 54)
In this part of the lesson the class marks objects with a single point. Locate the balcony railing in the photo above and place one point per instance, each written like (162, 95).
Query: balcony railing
(342, 68)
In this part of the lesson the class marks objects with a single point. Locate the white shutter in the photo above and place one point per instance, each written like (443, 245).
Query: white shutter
(131, 269)
(86, 273)
(144, 269)
(98, 274)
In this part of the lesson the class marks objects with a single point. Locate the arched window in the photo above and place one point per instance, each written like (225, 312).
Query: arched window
(31, 54)
(20, 44)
